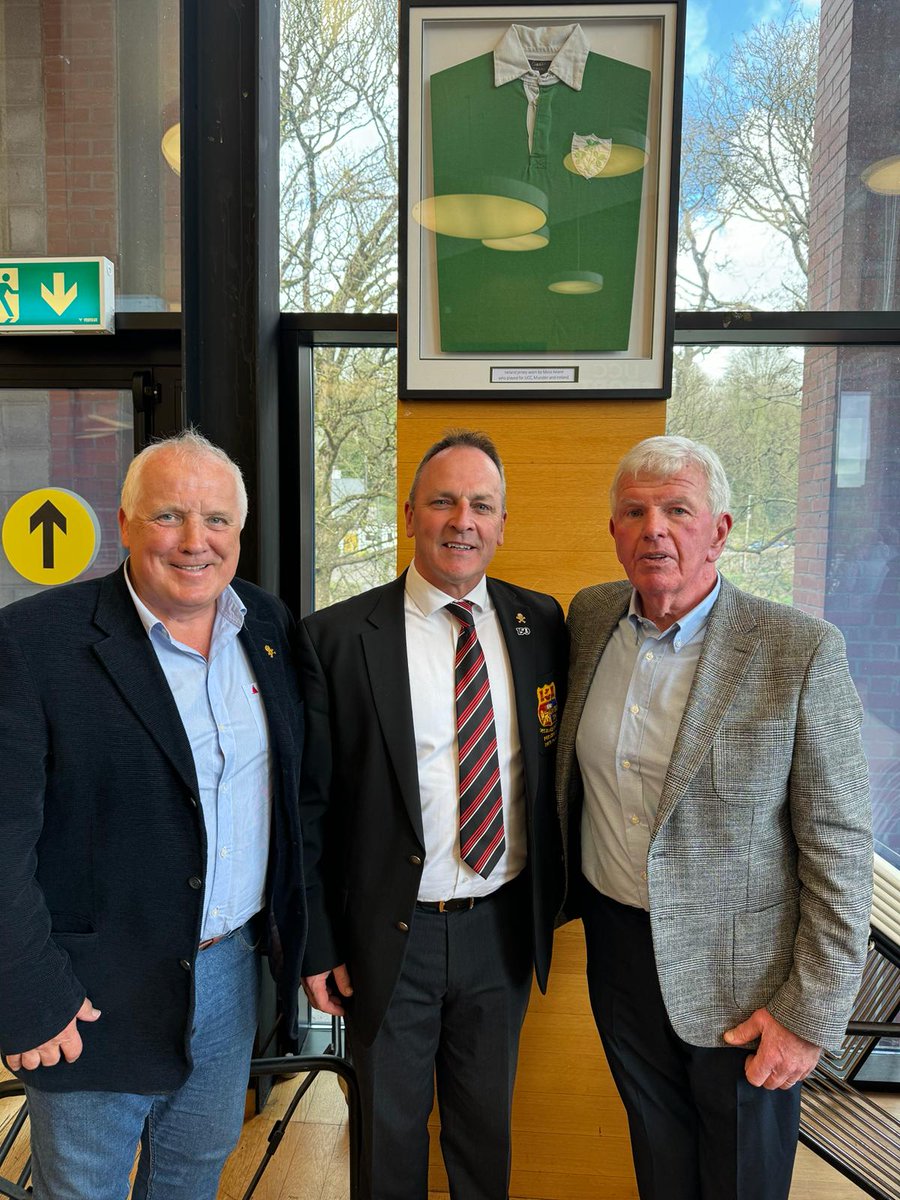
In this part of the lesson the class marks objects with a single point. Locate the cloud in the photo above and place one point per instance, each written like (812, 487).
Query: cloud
(697, 50)
(749, 263)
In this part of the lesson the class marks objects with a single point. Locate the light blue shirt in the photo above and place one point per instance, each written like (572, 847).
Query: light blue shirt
(225, 721)
(625, 738)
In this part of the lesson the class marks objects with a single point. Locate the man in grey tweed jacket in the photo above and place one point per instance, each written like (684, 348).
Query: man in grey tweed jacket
(714, 790)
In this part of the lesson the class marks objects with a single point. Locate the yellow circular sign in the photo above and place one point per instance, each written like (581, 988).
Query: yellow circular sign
(51, 535)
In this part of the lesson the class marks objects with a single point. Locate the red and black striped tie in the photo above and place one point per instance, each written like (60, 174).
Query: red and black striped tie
(481, 836)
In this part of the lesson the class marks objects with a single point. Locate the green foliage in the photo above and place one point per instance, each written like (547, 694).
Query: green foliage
(746, 405)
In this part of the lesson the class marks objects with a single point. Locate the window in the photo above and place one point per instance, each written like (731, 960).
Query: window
(90, 90)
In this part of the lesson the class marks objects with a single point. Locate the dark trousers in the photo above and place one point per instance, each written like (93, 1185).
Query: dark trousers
(455, 1017)
(699, 1130)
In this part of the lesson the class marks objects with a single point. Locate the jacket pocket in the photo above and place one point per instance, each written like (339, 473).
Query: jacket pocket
(763, 952)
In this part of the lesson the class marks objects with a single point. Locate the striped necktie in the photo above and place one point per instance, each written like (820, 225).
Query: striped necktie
(481, 837)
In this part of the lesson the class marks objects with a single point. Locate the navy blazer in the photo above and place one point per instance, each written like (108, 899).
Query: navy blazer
(101, 834)
(362, 817)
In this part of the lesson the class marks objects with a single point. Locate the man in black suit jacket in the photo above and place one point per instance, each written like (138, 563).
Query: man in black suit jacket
(150, 735)
(425, 938)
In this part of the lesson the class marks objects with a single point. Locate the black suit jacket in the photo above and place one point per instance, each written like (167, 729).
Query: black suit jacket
(101, 834)
(362, 819)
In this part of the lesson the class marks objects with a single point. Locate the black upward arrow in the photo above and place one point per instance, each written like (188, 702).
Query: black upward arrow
(47, 516)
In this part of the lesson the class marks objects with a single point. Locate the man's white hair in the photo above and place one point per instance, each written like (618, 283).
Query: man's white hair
(663, 457)
(189, 445)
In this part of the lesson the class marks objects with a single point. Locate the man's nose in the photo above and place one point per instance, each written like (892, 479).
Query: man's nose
(462, 515)
(654, 524)
(193, 534)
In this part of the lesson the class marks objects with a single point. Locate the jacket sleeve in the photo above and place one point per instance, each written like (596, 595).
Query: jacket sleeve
(39, 993)
(831, 820)
(322, 950)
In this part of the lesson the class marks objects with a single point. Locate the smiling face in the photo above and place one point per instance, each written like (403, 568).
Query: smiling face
(183, 536)
(457, 518)
(668, 541)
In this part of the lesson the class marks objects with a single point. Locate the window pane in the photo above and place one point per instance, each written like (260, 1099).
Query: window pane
(779, 206)
(808, 440)
(88, 90)
(81, 441)
(339, 156)
(356, 470)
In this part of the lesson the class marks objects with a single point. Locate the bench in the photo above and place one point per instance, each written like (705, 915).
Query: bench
(837, 1121)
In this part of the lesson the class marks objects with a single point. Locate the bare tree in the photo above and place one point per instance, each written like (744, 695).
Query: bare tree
(748, 136)
(338, 255)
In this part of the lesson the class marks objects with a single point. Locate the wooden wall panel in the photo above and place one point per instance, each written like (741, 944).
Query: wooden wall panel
(559, 458)
(570, 1139)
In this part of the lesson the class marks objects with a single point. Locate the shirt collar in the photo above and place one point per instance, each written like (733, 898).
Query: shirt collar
(566, 45)
(685, 628)
(429, 599)
(228, 606)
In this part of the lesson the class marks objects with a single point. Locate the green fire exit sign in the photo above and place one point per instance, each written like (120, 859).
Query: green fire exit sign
(57, 295)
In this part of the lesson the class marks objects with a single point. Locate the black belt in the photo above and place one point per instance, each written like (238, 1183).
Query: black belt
(463, 904)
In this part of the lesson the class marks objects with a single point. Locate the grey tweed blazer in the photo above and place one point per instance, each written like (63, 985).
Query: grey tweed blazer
(760, 859)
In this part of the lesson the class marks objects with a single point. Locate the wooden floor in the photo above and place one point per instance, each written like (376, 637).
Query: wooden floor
(311, 1162)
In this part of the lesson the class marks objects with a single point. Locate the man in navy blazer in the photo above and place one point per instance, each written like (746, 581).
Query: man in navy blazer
(430, 956)
(150, 732)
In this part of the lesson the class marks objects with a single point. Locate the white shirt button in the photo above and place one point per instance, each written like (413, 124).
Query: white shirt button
(626, 763)
(649, 656)
(223, 853)
(635, 709)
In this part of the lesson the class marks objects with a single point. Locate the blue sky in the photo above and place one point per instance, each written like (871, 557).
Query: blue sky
(712, 25)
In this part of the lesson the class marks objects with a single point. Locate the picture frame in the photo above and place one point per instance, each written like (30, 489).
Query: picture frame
(539, 149)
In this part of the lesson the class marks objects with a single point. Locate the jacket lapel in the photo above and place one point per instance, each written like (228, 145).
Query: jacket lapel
(254, 636)
(129, 660)
(593, 639)
(728, 648)
(384, 647)
(520, 652)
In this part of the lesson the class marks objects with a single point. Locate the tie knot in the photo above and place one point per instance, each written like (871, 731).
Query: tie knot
(462, 610)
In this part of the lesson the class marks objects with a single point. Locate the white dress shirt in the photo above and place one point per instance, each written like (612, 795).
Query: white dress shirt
(625, 738)
(431, 635)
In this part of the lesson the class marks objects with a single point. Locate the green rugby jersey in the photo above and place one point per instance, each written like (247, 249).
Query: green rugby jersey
(497, 300)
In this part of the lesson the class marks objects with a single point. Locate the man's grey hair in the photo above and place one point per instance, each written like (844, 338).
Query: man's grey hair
(663, 457)
(461, 437)
(187, 446)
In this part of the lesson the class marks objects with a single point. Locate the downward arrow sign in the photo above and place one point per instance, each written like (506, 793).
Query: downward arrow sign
(59, 299)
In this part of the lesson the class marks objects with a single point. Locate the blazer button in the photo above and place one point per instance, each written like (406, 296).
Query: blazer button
(403, 927)
(192, 800)
(195, 882)
(415, 860)
(184, 963)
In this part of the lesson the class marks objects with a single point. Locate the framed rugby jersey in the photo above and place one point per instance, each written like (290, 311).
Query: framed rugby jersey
(538, 197)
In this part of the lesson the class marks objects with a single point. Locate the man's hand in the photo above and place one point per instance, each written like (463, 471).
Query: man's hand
(66, 1044)
(781, 1059)
(325, 991)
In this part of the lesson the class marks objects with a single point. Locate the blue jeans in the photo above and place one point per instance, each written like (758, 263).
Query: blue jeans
(83, 1143)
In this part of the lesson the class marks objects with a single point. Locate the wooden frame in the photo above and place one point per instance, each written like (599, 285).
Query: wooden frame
(537, 252)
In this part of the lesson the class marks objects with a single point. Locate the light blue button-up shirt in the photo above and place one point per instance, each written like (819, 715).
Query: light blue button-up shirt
(225, 721)
(625, 739)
